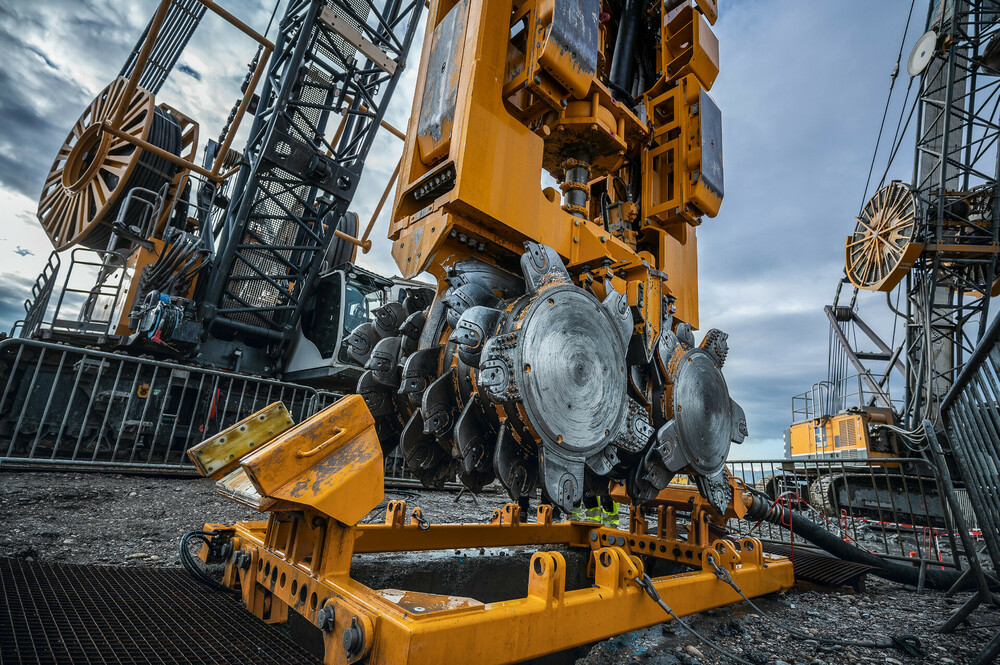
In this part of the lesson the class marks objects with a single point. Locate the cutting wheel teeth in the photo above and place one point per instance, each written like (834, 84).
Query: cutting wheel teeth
(443, 381)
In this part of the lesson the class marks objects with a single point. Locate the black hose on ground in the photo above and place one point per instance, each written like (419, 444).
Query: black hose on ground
(761, 509)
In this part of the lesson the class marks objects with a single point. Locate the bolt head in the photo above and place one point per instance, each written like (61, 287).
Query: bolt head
(325, 618)
(354, 637)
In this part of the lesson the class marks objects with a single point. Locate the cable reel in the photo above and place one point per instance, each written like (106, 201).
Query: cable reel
(883, 247)
(94, 171)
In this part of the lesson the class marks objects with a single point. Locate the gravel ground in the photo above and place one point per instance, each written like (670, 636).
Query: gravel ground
(109, 519)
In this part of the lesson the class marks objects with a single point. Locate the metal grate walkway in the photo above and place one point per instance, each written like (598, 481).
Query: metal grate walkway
(68, 615)
(820, 568)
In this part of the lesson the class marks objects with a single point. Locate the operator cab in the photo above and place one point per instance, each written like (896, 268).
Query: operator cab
(344, 298)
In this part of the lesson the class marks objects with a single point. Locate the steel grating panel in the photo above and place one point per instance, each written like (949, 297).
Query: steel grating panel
(68, 614)
(810, 566)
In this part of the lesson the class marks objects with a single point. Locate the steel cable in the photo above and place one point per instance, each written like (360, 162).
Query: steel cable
(646, 584)
(885, 112)
(907, 643)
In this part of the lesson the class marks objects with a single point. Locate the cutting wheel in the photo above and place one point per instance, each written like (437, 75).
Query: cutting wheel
(92, 170)
(883, 248)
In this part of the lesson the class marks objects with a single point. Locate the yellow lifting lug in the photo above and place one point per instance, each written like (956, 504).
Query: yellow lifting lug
(509, 515)
(751, 552)
(724, 555)
(544, 514)
(395, 513)
(547, 578)
(616, 570)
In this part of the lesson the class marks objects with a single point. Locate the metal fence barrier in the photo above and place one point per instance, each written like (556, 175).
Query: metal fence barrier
(69, 407)
(971, 415)
(73, 407)
(894, 508)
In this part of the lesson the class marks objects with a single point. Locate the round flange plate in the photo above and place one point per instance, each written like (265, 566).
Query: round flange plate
(572, 370)
(704, 412)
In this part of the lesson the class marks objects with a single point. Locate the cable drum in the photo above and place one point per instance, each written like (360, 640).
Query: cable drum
(884, 244)
(94, 170)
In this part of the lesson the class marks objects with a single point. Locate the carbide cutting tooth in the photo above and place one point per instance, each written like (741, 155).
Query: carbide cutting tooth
(438, 408)
(541, 266)
(419, 370)
(377, 398)
(740, 430)
(422, 454)
(389, 317)
(384, 362)
(413, 325)
(417, 300)
(640, 385)
(493, 278)
(383, 408)
(665, 349)
(406, 346)
(361, 341)
(517, 473)
(460, 299)
(616, 304)
(474, 327)
(685, 336)
(473, 443)
(638, 485)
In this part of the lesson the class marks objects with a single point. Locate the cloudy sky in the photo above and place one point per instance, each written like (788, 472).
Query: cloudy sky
(802, 88)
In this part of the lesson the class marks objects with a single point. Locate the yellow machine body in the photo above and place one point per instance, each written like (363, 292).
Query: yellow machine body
(500, 97)
(844, 435)
(495, 110)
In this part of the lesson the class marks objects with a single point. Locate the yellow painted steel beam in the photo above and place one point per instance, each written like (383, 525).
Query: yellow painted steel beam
(413, 628)
(382, 538)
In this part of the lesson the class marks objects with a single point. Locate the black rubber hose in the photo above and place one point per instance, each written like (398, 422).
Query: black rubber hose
(623, 60)
(816, 534)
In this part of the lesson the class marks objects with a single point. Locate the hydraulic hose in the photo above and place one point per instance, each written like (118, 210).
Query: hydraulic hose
(761, 509)
(623, 60)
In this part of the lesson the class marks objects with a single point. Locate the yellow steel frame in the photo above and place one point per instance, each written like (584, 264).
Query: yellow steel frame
(319, 478)
(413, 627)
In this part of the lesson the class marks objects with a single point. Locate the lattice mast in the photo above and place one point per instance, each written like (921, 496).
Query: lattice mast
(332, 57)
(938, 236)
(955, 177)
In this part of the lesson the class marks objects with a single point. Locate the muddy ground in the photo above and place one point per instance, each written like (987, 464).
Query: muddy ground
(123, 520)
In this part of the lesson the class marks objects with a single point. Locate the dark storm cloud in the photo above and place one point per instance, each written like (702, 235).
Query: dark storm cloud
(190, 71)
(39, 99)
(13, 291)
(22, 164)
(801, 91)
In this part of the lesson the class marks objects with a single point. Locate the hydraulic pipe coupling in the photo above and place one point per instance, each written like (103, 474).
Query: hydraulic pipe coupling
(575, 186)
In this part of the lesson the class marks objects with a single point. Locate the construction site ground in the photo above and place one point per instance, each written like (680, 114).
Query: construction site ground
(125, 520)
